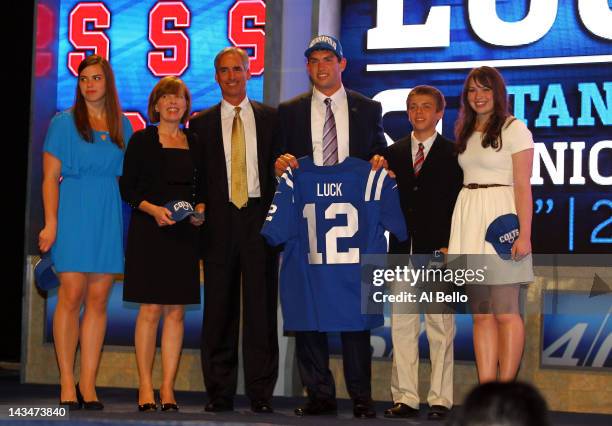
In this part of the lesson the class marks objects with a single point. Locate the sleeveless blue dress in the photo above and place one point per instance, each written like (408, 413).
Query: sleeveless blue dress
(89, 217)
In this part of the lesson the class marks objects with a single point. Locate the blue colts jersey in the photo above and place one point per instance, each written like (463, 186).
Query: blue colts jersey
(328, 217)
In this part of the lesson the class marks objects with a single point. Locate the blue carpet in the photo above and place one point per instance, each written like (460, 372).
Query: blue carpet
(120, 409)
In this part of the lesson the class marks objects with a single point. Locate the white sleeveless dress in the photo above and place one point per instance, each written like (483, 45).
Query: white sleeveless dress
(475, 209)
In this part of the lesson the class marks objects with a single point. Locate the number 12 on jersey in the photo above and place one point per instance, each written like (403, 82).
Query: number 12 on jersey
(332, 255)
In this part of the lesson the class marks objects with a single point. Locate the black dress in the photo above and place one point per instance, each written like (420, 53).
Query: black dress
(162, 263)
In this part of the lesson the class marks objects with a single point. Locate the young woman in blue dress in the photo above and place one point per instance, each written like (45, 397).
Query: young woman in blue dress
(82, 159)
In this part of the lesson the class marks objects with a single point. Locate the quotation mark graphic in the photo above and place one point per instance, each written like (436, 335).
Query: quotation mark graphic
(540, 205)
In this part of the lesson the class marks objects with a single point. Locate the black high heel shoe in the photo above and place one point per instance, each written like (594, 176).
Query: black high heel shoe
(70, 405)
(147, 406)
(167, 406)
(88, 405)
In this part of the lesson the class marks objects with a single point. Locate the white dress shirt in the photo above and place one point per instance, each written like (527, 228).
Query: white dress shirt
(250, 135)
(339, 106)
(427, 143)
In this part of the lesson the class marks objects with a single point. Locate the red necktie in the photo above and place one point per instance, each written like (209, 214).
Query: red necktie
(418, 160)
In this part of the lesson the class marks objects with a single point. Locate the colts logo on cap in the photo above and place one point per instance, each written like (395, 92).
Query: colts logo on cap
(509, 237)
(323, 39)
(182, 205)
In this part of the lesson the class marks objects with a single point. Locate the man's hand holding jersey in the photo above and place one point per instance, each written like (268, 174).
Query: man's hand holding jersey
(378, 161)
(288, 160)
(284, 161)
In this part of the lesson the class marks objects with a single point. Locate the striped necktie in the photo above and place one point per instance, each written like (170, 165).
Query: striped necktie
(239, 194)
(330, 139)
(418, 160)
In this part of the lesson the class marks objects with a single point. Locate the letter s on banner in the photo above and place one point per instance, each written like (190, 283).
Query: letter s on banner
(136, 120)
(167, 39)
(45, 30)
(84, 40)
(249, 37)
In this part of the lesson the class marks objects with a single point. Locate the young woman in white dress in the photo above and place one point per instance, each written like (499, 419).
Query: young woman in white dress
(496, 155)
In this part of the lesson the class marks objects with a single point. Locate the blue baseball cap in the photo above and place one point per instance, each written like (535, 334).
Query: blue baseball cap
(44, 273)
(180, 209)
(324, 42)
(502, 232)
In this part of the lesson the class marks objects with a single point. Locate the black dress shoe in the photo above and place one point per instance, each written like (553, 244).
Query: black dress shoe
(317, 407)
(218, 406)
(147, 406)
(88, 405)
(263, 407)
(400, 410)
(364, 410)
(437, 412)
(70, 405)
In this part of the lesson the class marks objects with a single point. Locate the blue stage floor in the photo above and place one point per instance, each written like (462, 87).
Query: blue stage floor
(120, 408)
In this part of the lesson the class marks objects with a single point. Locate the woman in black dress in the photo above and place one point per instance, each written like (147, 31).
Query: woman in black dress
(162, 164)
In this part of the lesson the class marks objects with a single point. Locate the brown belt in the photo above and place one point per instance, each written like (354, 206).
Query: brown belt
(478, 185)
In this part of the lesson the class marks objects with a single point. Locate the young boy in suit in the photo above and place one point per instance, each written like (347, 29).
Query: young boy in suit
(429, 179)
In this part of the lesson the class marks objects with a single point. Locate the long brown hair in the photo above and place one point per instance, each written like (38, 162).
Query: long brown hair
(114, 119)
(466, 121)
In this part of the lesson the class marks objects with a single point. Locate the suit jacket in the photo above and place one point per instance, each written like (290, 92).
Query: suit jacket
(366, 136)
(429, 199)
(142, 165)
(207, 125)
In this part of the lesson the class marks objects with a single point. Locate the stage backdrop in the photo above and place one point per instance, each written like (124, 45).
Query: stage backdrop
(556, 58)
(146, 40)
